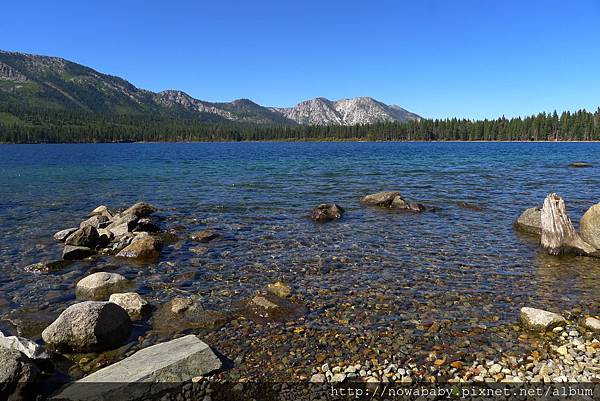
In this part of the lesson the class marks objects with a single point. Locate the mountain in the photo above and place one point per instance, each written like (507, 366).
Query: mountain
(358, 110)
(33, 81)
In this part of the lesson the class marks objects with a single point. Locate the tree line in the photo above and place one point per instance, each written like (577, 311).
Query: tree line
(20, 124)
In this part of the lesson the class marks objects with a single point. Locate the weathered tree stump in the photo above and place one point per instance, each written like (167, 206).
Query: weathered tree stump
(558, 234)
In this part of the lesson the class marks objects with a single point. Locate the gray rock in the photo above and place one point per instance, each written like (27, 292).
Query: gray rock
(327, 212)
(29, 348)
(167, 365)
(132, 302)
(540, 320)
(591, 323)
(63, 234)
(99, 286)
(76, 252)
(16, 373)
(589, 226)
(530, 221)
(144, 247)
(101, 210)
(381, 199)
(98, 221)
(89, 326)
(86, 236)
(140, 209)
(122, 224)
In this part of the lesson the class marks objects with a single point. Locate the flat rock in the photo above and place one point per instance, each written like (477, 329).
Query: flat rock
(89, 326)
(141, 248)
(530, 221)
(63, 234)
(132, 302)
(204, 236)
(30, 349)
(16, 373)
(86, 236)
(99, 286)
(327, 212)
(540, 320)
(76, 252)
(591, 323)
(167, 364)
(589, 226)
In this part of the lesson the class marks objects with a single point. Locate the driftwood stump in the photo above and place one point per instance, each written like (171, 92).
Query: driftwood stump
(558, 234)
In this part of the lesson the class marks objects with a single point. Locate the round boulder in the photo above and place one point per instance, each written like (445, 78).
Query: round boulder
(530, 221)
(327, 212)
(89, 326)
(589, 226)
(99, 286)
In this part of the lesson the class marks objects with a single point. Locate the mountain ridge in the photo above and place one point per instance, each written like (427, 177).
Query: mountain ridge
(56, 83)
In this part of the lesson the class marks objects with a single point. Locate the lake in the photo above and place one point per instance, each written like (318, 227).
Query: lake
(375, 280)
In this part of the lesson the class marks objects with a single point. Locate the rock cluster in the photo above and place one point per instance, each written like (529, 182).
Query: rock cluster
(392, 200)
(131, 233)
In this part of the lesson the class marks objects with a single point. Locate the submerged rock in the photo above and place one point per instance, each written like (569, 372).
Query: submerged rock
(279, 289)
(167, 365)
(184, 314)
(530, 221)
(99, 286)
(145, 247)
(327, 212)
(16, 374)
(132, 302)
(76, 252)
(30, 349)
(204, 236)
(589, 226)
(86, 236)
(580, 165)
(47, 266)
(269, 307)
(540, 320)
(89, 326)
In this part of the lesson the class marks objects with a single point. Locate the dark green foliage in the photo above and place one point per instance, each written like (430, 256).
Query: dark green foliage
(22, 124)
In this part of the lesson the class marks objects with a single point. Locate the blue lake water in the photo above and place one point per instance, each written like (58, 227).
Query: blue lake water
(462, 265)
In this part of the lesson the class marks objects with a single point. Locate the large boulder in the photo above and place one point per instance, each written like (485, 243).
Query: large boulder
(530, 221)
(16, 373)
(132, 302)
(99, 286)
(71, 252)
(86, 236)
(142, 247)
(327, 212)
(89, 326)
(589, 226)
(540, 320)
(166, 365)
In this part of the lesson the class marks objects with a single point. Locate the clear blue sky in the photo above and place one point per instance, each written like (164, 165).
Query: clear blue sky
(438, 58)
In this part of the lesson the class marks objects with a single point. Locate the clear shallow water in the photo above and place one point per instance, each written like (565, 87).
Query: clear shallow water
(374, 270)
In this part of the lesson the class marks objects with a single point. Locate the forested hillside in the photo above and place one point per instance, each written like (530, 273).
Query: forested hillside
(21, 124)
